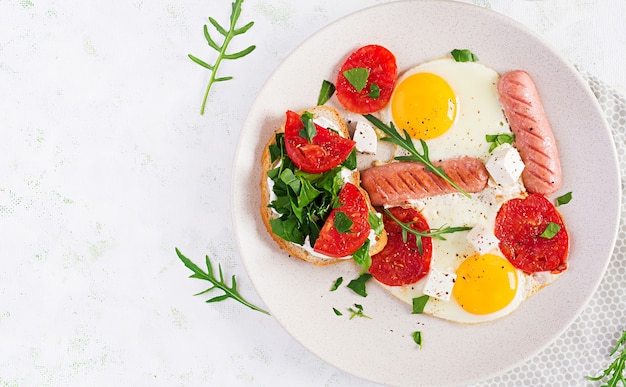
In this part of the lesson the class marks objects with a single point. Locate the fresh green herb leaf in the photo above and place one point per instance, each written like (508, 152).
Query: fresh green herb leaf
(407, 143)
(376, 222)
(336, 285)
(308, 193)
(342, 222)
(288, 230)
(551, 230)
(499, 139)
(327, 90)
(615, 370)
(374, 91)
(229, 291)
(436, 233)
(351, 162)
(357, 77)
(309, 131)
(463, 56)
(362, 256)
(221, 49)
(419, 303)
(358, 312)
(358, 285)
(417, 337)
(291, 180)
(337, 312)
(564, 199)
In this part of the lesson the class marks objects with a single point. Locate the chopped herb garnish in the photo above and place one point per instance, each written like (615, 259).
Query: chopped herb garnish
(336, 285)
(463, 56)
(551, 230)
(564, 199)
(229, 291)
(327, 90)
(407, 143)
(309, 131)
(417, 337)
(419, 303)
(221, 49)
(358, 312)
(436, 233)
(362, 256)
(357, 77)
(376, 222)
(337, 312)
(499, 139)
(351, 162)
(374, 91)
(358, 285)
(342, 222)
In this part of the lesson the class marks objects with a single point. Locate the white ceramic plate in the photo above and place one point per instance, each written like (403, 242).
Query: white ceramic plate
(381, 349)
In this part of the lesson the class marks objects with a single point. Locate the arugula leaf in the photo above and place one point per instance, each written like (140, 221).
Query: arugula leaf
(564, 199)
(229, 291)
(336, 285)
(358, 312)
(615, 370)
(407, 143)
(362, 256)
(358, 285)
(327, 90)
(417, 337)
(499, 139)
(309, 131)
(432, 233)
(221, 49)
(374, 91)
(551, 230)
(419, 303)
(357, 77)
(463, 56)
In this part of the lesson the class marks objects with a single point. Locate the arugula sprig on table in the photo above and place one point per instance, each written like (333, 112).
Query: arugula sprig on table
(221, 49)
(217, 283)
(407, 143)
(436, 233)
(615, 370)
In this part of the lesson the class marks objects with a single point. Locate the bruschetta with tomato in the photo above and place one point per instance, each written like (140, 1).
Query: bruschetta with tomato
(312, 203)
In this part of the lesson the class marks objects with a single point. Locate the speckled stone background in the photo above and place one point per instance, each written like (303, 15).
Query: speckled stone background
(106, 166)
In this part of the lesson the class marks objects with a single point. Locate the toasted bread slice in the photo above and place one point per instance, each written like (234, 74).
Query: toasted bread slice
(267, 213)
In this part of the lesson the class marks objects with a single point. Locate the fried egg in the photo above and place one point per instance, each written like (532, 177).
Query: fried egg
(452, 106)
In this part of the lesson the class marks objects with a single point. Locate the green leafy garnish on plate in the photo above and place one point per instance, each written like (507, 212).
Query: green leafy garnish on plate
(499, 139)
(374, 91)
(357, 77)
(326, 91)
(419, 303)
(551, 230)
(358, 285)
(417, 337)
(357, 311)
(221, 49)
(463, 55)
(564, 199)
(336, 284)
(217, 283)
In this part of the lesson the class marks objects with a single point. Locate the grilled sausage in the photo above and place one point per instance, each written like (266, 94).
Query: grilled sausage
(533, 134)
(397, 183)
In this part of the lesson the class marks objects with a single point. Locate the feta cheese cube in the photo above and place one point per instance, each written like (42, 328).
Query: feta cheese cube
(482, 238)
(439, 284)
(365, 137)
(505, 165)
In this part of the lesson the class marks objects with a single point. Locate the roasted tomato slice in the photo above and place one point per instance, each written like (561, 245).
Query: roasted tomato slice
(401, 263)
(381, 64)
(344, 234)
(325, 151)
(519, 226)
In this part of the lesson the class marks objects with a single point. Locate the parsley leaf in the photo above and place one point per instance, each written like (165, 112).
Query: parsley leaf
(327, 90)
(463, 56)
(358, 285)
(419, 303)
(357, 77)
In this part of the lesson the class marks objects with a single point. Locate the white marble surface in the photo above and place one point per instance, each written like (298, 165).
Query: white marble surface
(106, 166)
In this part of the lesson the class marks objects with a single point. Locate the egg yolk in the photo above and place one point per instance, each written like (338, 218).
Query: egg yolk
(485, 284)
(423, 104)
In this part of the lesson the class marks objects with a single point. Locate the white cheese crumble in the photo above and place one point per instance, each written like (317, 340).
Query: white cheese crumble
(505, 165)
(482, 239)
(325, 123)
(439, 284)
(365, 138)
